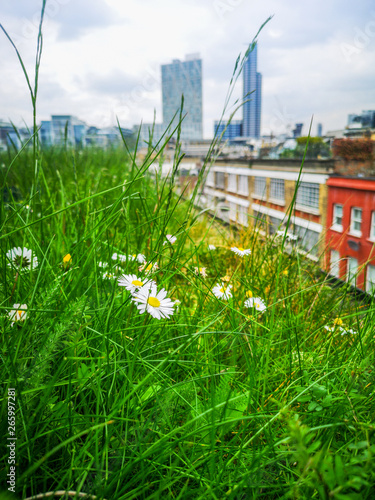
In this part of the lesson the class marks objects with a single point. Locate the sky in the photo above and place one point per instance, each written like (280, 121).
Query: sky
(101, 58)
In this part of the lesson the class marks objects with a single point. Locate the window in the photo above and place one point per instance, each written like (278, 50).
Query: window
(277, 191)
(370, 278)
(372, 228)
(259, 219)
(232, 211)
(220, 180)
(308, 239)
(260, 187)
(356, 221)
(243, 184)
(232, 183)
(210, 179)
(308, 195)
(242, 215)
(352, 270)
(334, 268)
(337, 217)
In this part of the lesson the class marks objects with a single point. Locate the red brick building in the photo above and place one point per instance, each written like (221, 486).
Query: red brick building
(350, 232)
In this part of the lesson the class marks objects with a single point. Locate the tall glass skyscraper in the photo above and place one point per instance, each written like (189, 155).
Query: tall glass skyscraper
(252, 92)
(183, 78)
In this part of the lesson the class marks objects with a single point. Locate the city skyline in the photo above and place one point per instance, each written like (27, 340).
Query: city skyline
(101, 59)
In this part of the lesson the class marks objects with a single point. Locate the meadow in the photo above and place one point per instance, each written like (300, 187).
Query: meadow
(148, 351)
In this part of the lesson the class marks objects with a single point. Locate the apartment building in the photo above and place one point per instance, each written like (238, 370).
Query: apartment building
(350, 231)
(261, 192)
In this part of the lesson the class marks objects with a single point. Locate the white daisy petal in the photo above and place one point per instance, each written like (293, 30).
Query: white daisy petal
(18, 313)
(155, 303)
(132, 283)
(222, 291)
(22, 258)
(256, 302)
(241, 251)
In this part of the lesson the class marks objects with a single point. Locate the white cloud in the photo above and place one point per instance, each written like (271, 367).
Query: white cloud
(102, 58)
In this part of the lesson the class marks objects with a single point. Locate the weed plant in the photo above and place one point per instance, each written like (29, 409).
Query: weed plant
(220, 399)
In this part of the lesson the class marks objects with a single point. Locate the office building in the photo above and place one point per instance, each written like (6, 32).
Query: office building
(183, 78)
(252, 94)
(231, 130)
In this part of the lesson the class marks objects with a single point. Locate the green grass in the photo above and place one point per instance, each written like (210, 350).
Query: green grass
(217, 401)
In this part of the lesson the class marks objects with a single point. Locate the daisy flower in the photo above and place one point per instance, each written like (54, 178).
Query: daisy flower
(103, 264)
(256, 302)
(200, 271)
(222, 291)
(156, 303)
(241, 251)
(170, 239)
(211, 247)
(22, 257)
(109, 276)
(132, 283)
(148, 267)
(18, 313)
(119, 256)
(141, 258)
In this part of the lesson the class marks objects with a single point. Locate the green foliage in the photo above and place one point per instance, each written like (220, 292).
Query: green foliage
(316, 149)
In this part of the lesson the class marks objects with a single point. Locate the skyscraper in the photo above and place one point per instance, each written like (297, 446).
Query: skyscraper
(252, 92)
(183, 78)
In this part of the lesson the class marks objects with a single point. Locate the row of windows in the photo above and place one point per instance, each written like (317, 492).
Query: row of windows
(352, 270)
(307, 195)
(355, 220)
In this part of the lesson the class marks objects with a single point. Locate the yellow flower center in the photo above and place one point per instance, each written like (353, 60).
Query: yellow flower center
(241, 249)
(153, 301)
(19, 313)
(338, 321)
(137, 283)
(249, 294)
(134, 255)
(149, 267)
(222, 290)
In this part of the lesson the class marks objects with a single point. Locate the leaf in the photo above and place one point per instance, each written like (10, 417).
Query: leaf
(339, 467)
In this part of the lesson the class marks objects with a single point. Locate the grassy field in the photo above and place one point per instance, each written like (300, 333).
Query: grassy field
(150, 352)
(207, 397)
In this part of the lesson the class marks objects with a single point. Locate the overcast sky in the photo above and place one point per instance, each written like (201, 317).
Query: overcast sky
(101, 58)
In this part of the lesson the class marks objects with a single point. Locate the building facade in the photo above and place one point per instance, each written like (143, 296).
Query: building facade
(261, 193)
(183, 78)
(252, 94)
(350, 234)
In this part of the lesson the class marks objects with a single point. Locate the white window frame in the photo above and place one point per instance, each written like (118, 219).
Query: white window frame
(370, 283)
(277, 191)
(334, 263)
(354, 220)
(260, 188)
(308, 195)
(335, 216)
(351, 277)
(372, 227)
(232, 183)
(243, 185)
